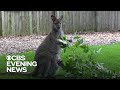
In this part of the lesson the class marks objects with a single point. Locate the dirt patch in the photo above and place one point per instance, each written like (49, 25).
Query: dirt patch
(13, 44)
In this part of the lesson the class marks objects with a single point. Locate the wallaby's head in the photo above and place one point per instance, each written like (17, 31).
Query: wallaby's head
(56, 23)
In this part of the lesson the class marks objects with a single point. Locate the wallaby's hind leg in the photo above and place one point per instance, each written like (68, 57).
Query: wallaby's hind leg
(42, 67)
(35, 72)
(52, 69)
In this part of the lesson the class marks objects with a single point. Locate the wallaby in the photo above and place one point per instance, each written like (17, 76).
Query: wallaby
(47, 55)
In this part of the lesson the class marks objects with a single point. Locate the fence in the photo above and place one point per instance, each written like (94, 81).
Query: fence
(39, 22)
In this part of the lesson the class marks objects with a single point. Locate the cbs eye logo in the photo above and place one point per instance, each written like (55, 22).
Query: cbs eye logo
(15, 57)
(8, 57)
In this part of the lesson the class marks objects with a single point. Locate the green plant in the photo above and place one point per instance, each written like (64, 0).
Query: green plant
(82, 65)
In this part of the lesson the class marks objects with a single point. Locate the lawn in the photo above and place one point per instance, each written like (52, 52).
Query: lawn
(109, 55)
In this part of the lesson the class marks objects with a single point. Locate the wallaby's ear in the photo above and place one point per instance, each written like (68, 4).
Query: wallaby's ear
(61, 17)
(53, 18)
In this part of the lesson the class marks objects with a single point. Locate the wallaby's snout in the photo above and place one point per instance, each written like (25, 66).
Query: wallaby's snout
(56, 23)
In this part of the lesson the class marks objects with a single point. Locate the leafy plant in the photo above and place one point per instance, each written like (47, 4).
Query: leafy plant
(82, 65)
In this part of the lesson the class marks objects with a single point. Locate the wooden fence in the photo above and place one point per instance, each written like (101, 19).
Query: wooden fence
(39, 22)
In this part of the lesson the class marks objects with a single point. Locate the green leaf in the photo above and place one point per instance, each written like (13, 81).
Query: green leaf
(80, 41)
(64, 50)
(86, 49)
(77, 44)
(64, 37)
(76, 37)
(83, 46)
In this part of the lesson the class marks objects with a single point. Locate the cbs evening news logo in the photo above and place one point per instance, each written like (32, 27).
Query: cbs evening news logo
(17, 63)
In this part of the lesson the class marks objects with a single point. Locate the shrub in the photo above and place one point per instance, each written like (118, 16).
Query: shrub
(81, 65)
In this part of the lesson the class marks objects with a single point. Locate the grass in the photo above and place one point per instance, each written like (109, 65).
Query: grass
(109, 55)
